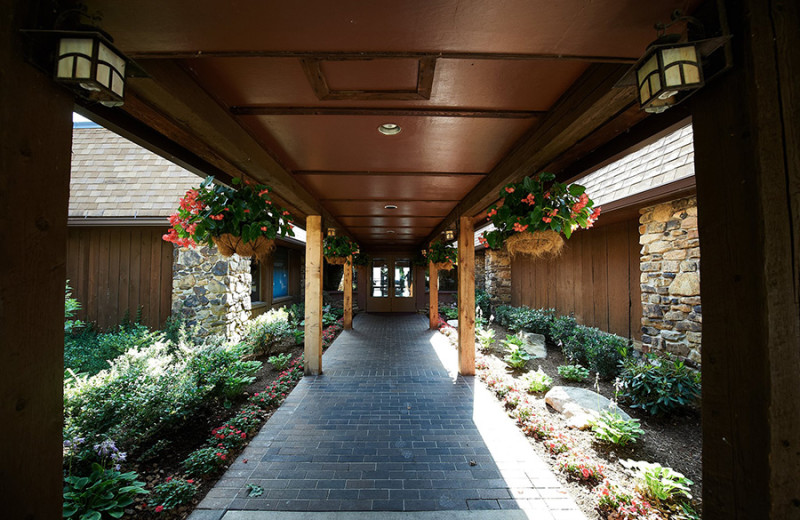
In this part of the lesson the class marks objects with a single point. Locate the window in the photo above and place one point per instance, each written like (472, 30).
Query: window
(255, 281)
(280, 272)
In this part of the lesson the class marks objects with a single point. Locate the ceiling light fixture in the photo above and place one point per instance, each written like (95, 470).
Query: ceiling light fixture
(392, 231)
(390, 129)
(390, 206)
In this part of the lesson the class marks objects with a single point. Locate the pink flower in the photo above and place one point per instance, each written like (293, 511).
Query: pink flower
(159, 509)
(509, 190)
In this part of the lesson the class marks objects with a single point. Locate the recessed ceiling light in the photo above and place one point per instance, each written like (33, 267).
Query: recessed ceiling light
(390, 206)
(390, 129)
(391, 231)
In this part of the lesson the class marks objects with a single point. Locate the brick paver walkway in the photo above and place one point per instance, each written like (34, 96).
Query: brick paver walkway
(389, 426)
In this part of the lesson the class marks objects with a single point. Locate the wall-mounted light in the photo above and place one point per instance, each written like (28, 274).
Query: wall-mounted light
(89, 61)
(449, 234)
(331, 232)
(672, 67)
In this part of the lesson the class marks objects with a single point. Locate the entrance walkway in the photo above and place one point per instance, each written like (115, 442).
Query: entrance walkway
(389, 426)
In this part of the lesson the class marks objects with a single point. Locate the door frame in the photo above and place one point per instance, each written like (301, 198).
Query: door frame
(392, 303)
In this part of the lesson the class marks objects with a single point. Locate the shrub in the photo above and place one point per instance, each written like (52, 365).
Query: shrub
(173, 492)
(659, 385)
(502, 314)
(450, 312)
(205, 461)
(264, 332)
(573, 373)
(483, 303)
(610, 427)
(538, 381)
(89, 352)
(485, 339)
(532, 320)
(516, 356)
(600, 351)
(561, 328)
(280, 362)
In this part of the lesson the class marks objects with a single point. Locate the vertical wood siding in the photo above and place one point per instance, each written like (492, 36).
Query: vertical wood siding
(117, 270)
(596, 278)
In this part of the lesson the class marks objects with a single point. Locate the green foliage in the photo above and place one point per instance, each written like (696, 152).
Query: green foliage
(88, 352)
(483, 303)
(516, 357)
(71, 306)
(296, 313)
(502, 315)
(173, 493)
(361, 259)
(659, 484)
(561, 328)
(441, 253)
(338, 246)
(539, 204)
(610, 427)
(450, 312)
(152, 390)
(248, 419)
(659, 385)
(264, 332)
(245, 211)
(537, 382)
(205, 461)
(524, 318)
(485, 339)
(104, 493)
(573, 373)
(600, 351)
(280, 362)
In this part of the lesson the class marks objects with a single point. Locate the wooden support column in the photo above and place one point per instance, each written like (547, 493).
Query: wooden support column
(466, 297)
(35, 140)
(313, 314)
(433, 290)
(348, 293)
(747, 163)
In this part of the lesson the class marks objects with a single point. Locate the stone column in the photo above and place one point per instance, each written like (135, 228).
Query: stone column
(211, 291)
(498, 277)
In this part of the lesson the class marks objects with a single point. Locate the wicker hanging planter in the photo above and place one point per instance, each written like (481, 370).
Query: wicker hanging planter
(443, 266)
(536, 244)
(336, 260)
(228, 244)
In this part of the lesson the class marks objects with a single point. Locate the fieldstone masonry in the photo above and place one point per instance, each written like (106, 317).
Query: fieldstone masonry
(670, 279)
(498, 277)
(211, 291)
(480, 269)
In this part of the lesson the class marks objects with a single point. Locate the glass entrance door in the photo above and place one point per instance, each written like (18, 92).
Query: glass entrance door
(391, 283)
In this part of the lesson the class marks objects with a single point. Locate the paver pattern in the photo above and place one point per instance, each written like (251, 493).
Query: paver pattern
(390, 426)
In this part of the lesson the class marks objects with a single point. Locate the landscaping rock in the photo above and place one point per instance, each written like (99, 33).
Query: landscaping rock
(453, 323)
(534, 345)
(578, 405)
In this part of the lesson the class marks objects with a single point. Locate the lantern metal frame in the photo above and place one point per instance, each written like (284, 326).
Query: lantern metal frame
(449, 234)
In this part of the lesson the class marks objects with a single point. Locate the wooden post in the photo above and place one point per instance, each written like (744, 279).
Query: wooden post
(466, 297)
(35, 137)
(747, 162)
(433, 288)
(313, 314)
(348, 293)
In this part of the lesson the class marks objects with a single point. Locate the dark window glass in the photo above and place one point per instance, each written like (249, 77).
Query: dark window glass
(280, 272)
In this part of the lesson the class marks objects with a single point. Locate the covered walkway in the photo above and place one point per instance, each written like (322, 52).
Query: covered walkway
(390, 426)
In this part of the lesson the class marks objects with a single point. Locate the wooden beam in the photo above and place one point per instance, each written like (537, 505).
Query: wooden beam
(268, 110)
(348, 293)
(327, 55)
(747, 161)
(466, 297)
(172, 92)
(433, 290)
(313, 294)
(390, 174)
(35, 138)
(588, 103)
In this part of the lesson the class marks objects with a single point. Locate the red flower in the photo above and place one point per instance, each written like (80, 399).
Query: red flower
(509, 190)
(586, 473)
(244, 435)
(519, 227)
(492, 213)
(529, 200)
(263, 192)
(169, 479)
(247, 211)
(264, 228)
(190, 481)
(547, 219)
(159, 509)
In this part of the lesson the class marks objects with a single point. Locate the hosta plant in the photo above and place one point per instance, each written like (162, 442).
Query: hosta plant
(659, 484)
(609, 426)
(103, 493)
(485, 339)
(537, 381)
(573, 373)
(280, 362)
(516, 356)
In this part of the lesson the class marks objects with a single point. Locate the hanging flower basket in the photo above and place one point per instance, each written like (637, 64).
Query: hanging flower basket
(536, 244)
(531, 218)
(442, 256)
(240, 219)
(337, 249)
(361, 260)
(443, 266)
(259, 248)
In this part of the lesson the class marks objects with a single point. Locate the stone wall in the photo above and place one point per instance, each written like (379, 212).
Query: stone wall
(211, 291)
(670, 279)
(498, 277)
(480, 269)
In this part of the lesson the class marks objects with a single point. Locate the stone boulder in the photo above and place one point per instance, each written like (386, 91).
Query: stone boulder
(453, 323)
(534, 345)
(579, 405)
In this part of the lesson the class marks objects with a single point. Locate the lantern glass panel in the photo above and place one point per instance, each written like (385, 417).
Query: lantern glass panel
(677, 60)
(110, 69)
(74, 58)
(650, 67)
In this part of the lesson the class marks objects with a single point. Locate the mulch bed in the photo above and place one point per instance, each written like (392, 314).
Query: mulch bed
(674, 441)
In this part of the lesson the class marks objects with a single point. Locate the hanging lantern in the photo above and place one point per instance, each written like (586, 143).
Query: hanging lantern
(89, 61)
(331, 232)
(449, 234)
(666, 73)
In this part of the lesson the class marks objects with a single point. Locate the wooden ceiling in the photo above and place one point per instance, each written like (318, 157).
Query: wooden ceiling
(292, 94)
